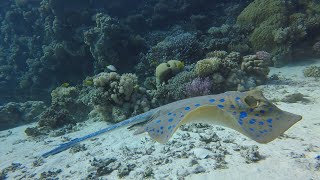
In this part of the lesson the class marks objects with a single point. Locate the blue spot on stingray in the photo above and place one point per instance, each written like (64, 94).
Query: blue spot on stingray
(212, 100)
(270, 126)
(161, 127)
(170, 120)
(221, 100)
(174, 114)
(251, 109)
(169, 127)
(158, 131)
(158, 121)
(261, 132)
(237, 98)
(169, 113)
(270, 109)
(251, 129)
(197, 105)
(262, 111)
(257, 114)
(161, 132)
(182, 115)
(269, 120)
(240, 122)
(243, 114)
(220, 106)
(232, 106)
(187, 108)
(261, 123)
(265, 130)
(252, 121)
(234, 113)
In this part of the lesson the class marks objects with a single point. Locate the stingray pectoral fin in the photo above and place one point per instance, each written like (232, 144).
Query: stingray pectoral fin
(270, 128)
(163, 127)
(261, 129)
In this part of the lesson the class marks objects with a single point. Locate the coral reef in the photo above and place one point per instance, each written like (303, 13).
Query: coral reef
(66, 108)
(15, 114)
(49, 42)
(312, 71)
(199, 87)
(220, 72)
(207, 66)
(109, 43)
(174, 89)
(178, 49)
(316, 47)
(181, 45)
(165, 71)
(278, 26)
(265, 56)
(116, 97)
(252, 64)
(227, 37)
(266, 17)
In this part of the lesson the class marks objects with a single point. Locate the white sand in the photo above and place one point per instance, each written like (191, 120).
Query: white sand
(289, 157)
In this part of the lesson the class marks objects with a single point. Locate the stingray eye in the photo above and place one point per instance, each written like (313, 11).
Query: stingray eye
(251, 101)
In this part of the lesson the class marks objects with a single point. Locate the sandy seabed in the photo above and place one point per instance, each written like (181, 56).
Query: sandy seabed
(194, 152)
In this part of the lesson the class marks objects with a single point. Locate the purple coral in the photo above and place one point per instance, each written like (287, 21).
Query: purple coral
(198, 87)
(263, 55)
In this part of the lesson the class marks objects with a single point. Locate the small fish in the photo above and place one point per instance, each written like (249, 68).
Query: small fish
(111, 68)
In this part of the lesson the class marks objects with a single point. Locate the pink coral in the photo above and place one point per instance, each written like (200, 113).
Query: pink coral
(199, 86)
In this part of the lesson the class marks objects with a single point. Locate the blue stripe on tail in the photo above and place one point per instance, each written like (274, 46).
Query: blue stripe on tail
(131, 121)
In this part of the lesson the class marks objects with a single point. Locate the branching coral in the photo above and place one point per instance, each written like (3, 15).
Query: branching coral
(110, 42)
(115, 97)
(206, 67)
(199, 87)
(278, 26)
(119, 88)
(182, 46)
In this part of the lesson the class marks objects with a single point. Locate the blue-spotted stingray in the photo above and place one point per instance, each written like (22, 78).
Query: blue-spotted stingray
(249, 113)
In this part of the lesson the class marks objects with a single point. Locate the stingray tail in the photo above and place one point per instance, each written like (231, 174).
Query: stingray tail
(131, 121)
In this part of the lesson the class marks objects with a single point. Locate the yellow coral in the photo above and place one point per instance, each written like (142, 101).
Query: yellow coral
(88, 82)
(206, 67)
(65, 84)
(165, 71)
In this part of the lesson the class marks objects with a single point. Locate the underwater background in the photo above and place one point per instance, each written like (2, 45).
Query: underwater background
(70, 67)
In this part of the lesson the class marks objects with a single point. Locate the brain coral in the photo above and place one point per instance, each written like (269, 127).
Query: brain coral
(251, 64)
(165, 71)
